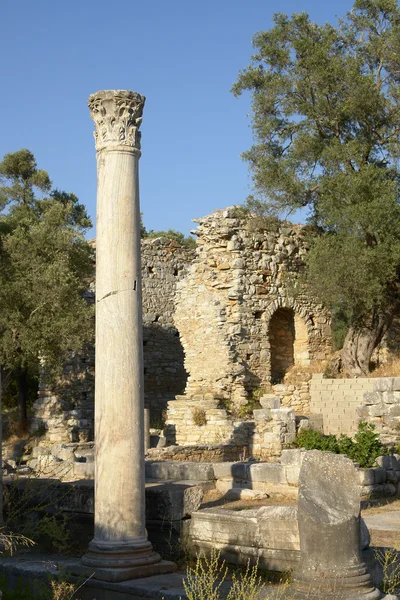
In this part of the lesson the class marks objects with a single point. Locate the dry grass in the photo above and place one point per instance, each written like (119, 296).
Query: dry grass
(199, 416)
(296, 375)
(389, 369)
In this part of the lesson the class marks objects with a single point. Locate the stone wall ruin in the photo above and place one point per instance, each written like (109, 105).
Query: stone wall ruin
(225, 319)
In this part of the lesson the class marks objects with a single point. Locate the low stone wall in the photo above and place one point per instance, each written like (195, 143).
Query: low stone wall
(200, 419)
(381, 407)
(268, 535)
(296, 396)
(337, 401)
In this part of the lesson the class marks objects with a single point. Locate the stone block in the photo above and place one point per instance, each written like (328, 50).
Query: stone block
(223, 470)
(172, 502)
(384, 384)
(387, 461)
(380, 475)
(40, 451)
(179, 471)
(268, 473)
(391, 397)
(283, 414)
(372, 398)
(83, 470)
(393, 477)
(366, 476)
(262, 414)
(62, 452)
(270, 401)
(292, 475)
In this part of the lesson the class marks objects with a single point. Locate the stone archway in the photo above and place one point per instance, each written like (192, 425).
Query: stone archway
(289, 342)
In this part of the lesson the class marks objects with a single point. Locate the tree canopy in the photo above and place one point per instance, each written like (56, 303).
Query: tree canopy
(46, 265)
(326, 123)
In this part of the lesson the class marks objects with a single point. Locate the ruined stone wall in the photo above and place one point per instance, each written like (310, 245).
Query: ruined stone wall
(240, 298)
(164, 264)
(66, 411)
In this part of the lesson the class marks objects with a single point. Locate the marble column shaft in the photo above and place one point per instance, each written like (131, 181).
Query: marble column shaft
(120, 549)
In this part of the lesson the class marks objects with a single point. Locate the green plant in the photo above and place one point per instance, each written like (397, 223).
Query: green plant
(388, 558)
(199, 416)
(367, 445)
(364, 448)
(315, 440)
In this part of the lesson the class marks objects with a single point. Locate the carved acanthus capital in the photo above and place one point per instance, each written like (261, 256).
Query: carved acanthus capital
(117, 115)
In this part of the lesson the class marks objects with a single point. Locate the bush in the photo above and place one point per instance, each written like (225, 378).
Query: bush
(315, 440)
(199, 416)
(364, 448)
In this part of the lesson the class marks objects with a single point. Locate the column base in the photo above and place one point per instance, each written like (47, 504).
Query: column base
(122, 560)
(353, 583)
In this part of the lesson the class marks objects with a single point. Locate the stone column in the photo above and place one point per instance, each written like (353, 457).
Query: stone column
(120, 549)
(331, 565)
(146, 429)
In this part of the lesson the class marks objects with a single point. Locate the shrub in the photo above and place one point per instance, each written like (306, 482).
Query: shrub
(364, 448)
(204, 580)
(315, 440)
(199, 416)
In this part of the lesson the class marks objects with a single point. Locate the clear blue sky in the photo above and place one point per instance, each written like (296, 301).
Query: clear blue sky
(183, 55)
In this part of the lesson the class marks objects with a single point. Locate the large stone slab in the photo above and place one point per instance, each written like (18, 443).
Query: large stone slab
(179, 471)
(329, 525)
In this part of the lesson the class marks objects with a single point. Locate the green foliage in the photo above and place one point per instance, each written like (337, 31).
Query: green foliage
(326, 123)
(45, 267)
(172, 234)
(364, 448)
(311, 439)
(367, 446)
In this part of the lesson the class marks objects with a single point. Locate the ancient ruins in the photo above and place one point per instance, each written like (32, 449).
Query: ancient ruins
(214, 334)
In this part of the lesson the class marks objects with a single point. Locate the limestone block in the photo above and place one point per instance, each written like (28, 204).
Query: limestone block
(267, 472)
(391, 397)
(387, 461)
(366, 476)
(384, 384)
(83, 470)
(237, 493)
(179, 471)
(393, 477)
(372, 398)
(270, 401)
(40, 451)
(262, 414)
(283, 414)
(378, 490)
(292, 475)
(223, 470)
(172, 502)
(62, 452)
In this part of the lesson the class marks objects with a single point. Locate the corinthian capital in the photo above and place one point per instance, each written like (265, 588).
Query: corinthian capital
(117, 115)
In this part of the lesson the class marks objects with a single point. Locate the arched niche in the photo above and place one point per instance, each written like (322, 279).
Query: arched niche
(288, 341)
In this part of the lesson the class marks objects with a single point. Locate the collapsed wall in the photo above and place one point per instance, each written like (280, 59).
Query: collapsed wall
(242, 314)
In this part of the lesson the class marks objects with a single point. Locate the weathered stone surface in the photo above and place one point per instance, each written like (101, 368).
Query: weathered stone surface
(329, 527)
(172, 502)
(179, 471)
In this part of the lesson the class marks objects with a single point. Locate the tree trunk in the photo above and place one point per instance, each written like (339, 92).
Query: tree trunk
(22, 380)
(361, 341)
